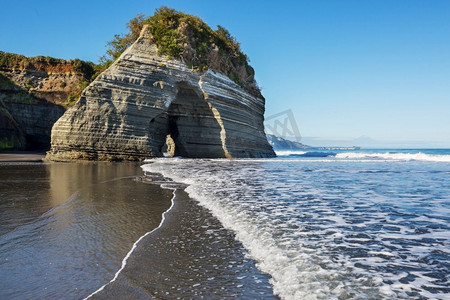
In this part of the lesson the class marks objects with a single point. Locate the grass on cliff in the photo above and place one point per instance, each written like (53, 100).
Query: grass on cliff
(189, 39)
(16, 61)
(5, 81)
(176, 34)
(11, 61)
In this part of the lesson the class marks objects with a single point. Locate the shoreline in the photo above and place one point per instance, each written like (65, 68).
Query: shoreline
(124, 261)
(163, 243)
(90, 213)
(181, 258)
(22, 156)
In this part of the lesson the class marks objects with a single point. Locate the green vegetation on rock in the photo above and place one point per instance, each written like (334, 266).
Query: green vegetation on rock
(46, 64)
(5, 81)
(73, 98)
(178, 35)
(17, 61)
(20, 97)
(11, 60)
(188, 38)
(8, 144)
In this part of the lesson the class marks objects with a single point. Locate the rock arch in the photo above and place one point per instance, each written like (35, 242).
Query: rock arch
(127, 112)
(192, 125)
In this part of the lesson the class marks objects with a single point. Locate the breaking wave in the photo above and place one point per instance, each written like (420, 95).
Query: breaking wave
(395, 156)
(331, 231)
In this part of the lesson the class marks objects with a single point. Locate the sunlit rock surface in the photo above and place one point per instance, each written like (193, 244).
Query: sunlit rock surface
(128, 111)
(32, 98)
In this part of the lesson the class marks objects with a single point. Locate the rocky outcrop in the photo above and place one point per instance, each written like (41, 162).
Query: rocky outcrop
(130, 109)
(279, 143)
(34, 93)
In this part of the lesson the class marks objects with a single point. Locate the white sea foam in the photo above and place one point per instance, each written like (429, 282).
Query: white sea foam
(324, 233)
(287, 152)
(395, 156)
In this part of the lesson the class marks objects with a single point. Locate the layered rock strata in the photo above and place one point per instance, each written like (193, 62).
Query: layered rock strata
(130, 109)
(32, 98)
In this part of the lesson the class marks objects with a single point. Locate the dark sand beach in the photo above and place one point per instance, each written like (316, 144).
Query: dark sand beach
(190, 256)
(66, 227)
(22, 156)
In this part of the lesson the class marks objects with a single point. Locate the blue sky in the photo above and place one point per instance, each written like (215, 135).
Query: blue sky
(344, 68)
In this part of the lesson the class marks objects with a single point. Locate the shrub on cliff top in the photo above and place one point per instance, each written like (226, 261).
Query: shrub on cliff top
(188, 38)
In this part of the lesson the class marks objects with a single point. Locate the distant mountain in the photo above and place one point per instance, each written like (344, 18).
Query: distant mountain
(279, 143)
(366, 141)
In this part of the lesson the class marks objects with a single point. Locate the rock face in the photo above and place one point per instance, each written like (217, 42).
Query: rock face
(130, 109)
(279, 143)
(32, 98)
(11, 135)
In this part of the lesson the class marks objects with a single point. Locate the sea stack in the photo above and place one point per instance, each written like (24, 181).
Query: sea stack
(129, 111)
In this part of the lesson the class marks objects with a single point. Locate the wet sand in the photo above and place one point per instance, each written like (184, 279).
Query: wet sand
(190, 256)
(65, 227)
(21, 156)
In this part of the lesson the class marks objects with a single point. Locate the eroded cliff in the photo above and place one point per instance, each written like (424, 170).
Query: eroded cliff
(34, 93)
(145, 96)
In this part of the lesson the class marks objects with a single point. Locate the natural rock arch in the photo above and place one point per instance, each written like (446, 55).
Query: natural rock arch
(127, 112)
(192, 125)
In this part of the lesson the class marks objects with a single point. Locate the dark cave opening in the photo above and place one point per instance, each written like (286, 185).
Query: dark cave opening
(192, 128)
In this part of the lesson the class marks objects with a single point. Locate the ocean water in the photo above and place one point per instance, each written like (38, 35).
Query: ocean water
(369, 224)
